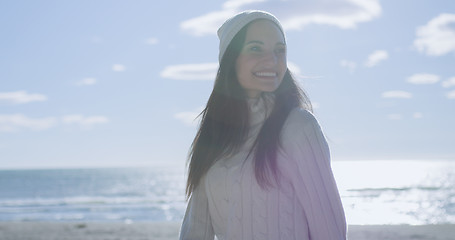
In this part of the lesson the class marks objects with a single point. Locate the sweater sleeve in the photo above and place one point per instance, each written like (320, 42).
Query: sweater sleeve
(197, 223)
(311, 175)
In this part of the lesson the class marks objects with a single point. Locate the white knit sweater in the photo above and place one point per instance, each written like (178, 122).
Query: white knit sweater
(306, 204)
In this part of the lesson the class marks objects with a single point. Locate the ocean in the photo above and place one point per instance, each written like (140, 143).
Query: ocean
(373, 192)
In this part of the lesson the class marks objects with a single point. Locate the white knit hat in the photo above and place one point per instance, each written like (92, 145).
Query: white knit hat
(232, 26)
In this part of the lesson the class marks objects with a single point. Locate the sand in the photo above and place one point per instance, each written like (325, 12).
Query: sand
(88, 231)
(169, 231)
(402, 232)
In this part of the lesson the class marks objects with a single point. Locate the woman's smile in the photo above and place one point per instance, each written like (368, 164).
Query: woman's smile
(266, 74)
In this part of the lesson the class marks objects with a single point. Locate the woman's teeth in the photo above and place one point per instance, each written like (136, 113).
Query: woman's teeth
(266, 74)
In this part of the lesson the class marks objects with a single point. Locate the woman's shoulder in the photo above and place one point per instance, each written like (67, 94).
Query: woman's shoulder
(300, 117)
(300, 122)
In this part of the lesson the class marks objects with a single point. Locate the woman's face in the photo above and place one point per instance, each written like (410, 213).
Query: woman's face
(261, 64)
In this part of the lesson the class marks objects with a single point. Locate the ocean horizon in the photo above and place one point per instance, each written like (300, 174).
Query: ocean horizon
(373, 192)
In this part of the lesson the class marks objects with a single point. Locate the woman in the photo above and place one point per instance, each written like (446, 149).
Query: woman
(259, 165)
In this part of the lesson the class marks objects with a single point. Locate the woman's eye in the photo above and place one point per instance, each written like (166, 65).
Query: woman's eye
(255, 48)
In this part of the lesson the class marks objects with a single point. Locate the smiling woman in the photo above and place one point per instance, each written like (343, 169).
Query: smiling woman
(259, 165)
(261, 64)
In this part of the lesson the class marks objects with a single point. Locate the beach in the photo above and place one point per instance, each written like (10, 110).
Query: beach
(169, 231)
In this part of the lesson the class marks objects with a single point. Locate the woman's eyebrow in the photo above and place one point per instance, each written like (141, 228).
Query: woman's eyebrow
(254, 41)
(260, 42)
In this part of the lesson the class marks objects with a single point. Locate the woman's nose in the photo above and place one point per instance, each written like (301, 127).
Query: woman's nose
(271, 57)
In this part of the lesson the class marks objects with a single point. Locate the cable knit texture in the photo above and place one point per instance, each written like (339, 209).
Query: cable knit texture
(230, 204)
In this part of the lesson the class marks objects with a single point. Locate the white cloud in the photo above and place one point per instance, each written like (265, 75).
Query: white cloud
(234, 4)
(449, 82)
(294, 68)
(84, 122)
(343, 14)
(376, 57)
(451, 95)
(349, 65)
(16, 122)
(21, 97)
(394, 116)
(423, 78)
(417, 115)
(437, 37)
(210, 22)
(86, 82)
(202, 71)
(293, 14)
(189, 118)
(152, 41)
(397, 94)
(118, 68)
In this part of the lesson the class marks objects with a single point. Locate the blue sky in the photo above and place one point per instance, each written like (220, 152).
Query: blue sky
(117, 83)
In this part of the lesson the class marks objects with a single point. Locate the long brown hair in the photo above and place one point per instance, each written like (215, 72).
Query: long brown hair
(224, 121)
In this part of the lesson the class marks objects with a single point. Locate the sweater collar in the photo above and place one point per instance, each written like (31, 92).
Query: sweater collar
(260, 108)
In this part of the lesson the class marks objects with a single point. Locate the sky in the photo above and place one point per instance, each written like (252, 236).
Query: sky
(120, 83)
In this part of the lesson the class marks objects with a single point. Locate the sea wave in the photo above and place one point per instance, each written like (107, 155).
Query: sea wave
(88, 200)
